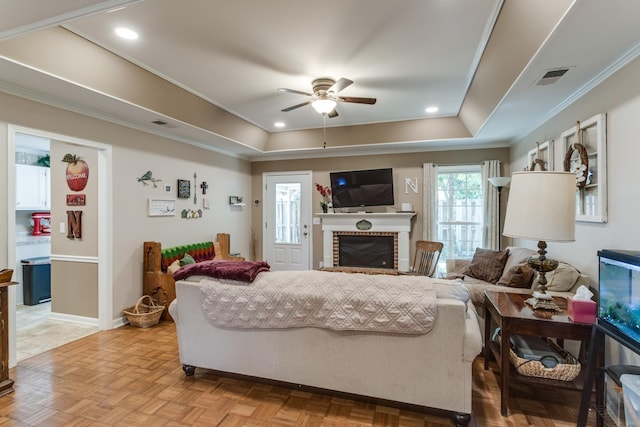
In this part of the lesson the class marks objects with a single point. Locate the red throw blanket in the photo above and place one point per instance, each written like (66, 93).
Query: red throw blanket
(245, 271)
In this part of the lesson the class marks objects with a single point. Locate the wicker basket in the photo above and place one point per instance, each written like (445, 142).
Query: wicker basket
(533, 368)
(144, 315)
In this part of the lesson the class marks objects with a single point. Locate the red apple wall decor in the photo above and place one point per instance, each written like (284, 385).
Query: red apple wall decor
(77, 172)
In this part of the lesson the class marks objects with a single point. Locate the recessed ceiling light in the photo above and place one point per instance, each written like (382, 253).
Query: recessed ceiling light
(279, 124)
(431, 110)
(126, 33)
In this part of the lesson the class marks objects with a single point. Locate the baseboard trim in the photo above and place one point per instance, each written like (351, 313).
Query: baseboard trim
(73, 318)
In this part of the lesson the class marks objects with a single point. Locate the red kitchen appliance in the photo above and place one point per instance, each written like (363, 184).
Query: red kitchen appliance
(41, 223)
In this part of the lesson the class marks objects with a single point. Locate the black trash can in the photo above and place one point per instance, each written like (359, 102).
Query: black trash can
(36, 278)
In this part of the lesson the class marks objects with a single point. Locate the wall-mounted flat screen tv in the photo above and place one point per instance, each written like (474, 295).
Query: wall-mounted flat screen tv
(372, 187)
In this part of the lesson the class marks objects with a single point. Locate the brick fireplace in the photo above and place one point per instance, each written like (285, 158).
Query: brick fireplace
(366, 240)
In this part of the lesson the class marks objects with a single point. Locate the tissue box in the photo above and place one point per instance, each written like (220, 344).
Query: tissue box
(581, 311)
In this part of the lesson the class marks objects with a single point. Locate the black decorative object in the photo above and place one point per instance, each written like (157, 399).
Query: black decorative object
(184, 189)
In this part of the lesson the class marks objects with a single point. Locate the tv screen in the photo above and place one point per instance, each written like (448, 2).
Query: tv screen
(362, 188)
(619, 289)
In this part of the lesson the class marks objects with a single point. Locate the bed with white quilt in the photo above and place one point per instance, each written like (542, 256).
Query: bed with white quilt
(404, 338)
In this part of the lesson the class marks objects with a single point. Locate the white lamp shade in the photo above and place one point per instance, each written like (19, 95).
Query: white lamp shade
(542, 206)
(324, 106)
(500, 181)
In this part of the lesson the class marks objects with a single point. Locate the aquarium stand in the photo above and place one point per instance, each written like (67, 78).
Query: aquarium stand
(595, 371)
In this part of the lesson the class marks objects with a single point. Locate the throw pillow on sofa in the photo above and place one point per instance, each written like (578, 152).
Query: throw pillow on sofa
(487, 265)
(518, 276)
(562, 278)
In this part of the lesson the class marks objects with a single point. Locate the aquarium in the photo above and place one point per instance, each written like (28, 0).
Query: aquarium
(619, 289)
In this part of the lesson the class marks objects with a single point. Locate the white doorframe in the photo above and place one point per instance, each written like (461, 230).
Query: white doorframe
(308, 220)
(105, 225)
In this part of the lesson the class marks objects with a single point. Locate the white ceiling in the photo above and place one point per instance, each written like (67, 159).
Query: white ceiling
(409, 54)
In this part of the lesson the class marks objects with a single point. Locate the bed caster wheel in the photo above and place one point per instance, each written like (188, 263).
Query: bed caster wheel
(461, 420)
(189, 370)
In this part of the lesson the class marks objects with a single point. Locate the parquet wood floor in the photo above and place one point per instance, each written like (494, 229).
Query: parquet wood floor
(133, 377)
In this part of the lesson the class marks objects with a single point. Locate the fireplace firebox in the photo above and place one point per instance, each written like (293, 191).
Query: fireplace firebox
(365, 250)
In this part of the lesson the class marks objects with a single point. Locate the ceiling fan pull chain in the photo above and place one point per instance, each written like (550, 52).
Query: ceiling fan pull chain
(324, 130)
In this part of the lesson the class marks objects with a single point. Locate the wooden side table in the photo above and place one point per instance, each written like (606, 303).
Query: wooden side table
(513, 316)
(6, 383)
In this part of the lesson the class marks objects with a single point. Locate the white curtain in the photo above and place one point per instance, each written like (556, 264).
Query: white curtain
(430, 202)
(490, 169)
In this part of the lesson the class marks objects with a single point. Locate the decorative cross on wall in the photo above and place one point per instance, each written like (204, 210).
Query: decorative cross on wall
(204, 187)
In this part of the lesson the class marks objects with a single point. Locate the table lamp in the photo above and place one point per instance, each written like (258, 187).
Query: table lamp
(542, 206)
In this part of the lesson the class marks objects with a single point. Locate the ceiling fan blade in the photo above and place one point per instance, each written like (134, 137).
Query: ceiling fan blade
(297, 92)
(339, 85)
(333, 113)
(357, 100)
(293, 107)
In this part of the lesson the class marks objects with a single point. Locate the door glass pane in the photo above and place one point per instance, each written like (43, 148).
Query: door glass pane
(287, 213)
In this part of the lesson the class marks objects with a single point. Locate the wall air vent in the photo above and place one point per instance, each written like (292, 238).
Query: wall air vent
(551, 76)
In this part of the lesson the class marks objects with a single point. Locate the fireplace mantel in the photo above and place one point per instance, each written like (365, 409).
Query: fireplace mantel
(399, 222)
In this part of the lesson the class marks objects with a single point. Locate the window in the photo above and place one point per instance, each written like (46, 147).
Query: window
(287, 213)
(460, 211)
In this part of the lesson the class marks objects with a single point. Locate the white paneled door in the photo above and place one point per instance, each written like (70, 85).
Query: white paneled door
(287, 220)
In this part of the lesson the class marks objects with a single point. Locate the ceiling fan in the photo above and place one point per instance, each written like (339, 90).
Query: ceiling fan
(324, 96)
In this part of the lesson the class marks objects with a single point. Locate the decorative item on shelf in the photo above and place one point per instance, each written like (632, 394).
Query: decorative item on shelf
(204, 187)
(184, 189)
(190, 214)
(148, 176)
(77, 172)
(499, 182)
(235, 200)
(325, 192)
(541, 207)
(580, 165)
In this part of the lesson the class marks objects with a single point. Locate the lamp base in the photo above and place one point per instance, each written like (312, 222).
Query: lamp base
(542, 301)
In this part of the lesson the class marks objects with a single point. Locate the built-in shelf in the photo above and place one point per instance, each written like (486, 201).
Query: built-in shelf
(237, 204)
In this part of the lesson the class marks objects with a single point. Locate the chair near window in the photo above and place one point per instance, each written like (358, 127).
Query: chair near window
(426, 259)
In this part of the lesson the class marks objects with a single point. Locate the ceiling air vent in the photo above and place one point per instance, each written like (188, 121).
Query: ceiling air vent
(163, 123)
(552, 76)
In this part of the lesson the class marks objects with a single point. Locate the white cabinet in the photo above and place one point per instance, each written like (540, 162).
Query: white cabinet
(33, 188)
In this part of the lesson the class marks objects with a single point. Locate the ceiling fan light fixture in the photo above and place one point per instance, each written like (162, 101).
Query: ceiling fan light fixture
(324, 106)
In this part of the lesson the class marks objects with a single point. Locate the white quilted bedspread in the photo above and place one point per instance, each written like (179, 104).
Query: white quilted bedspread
(339, 301)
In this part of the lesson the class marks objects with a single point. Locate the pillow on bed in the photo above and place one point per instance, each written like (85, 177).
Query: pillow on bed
(487, 265)
(175, 266)
(187, 259)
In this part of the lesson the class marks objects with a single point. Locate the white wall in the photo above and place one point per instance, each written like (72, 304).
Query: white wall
(619, 98)
(134, 153)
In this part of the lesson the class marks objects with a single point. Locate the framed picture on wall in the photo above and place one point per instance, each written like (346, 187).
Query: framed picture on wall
(162, 207)
(184, 189)
(585, 148)
(541, 157)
